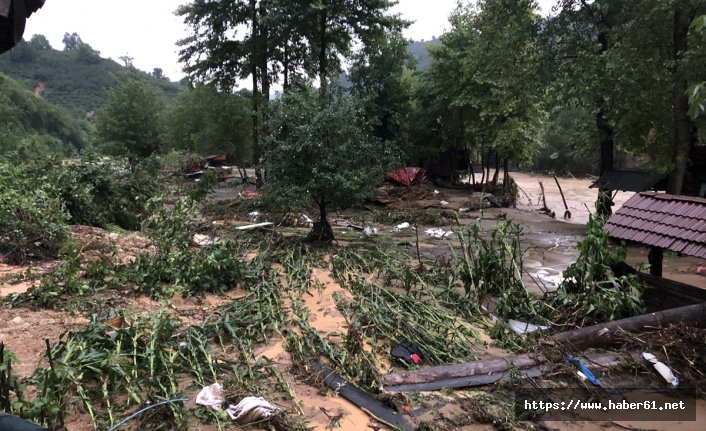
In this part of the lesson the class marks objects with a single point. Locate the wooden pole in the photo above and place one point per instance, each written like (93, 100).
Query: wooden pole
(444, 372)
(567, 213)
(655, 258)
(604, 333)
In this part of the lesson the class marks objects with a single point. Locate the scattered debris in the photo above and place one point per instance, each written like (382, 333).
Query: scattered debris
(203, 240)
(439, 233)
(662, 369)
(362, 399)
(407, 352)
(306, 220)
(266, 225)
(585, 373)
(211, 396)
(254, 216)
(249, 194)
(443, 203)
(197, 169)
(370, 231)
(406, 176)
(402, 226)
(604, 333)
(252, 409)
(522, 328)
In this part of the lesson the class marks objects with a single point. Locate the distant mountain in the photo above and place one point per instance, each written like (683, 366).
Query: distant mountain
(419, 51)
(77, 79)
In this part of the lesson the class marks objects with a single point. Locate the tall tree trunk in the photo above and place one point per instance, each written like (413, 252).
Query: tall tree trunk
(604, 203)
(683, 128)
(285, 67)
(506, 173)
(256, 145)
(321, 231)
(323, 59)
(497, 170)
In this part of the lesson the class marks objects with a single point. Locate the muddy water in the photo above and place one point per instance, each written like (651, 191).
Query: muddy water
(579, 197)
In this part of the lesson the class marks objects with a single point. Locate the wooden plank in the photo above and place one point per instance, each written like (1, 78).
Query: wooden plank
(604, 333)
(467, 369)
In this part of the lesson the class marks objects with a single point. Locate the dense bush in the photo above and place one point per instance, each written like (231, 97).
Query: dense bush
(178, 263)
(104, 192)
(41, 196)
(32, 217)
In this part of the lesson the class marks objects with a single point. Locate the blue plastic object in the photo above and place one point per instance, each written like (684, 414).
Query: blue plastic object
(584, 369)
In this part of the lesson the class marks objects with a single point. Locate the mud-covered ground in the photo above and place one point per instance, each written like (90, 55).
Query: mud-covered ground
(549, 247)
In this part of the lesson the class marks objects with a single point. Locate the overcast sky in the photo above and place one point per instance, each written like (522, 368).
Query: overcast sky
(148, 29)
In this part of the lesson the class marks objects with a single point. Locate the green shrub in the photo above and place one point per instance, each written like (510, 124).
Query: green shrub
(32, 218)
(178, 263)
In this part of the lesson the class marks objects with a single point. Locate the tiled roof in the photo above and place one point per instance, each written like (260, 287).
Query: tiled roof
(676, 223)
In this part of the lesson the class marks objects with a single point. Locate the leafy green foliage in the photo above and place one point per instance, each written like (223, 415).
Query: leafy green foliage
(30, 122)
(563, 149)
(129, 123)
(381, 75)
(32, 216)
(590, 290)
(177, 264)
(104, 192)
(476, 94)
(321, 151)
(203, 120)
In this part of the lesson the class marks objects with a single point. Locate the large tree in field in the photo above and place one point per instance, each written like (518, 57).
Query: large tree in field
(320, 151)
(331, 26)
(261, 40)
(129, 123)
(233, 41)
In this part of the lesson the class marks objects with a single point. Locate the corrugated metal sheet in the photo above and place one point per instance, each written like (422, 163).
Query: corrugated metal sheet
(676, 223)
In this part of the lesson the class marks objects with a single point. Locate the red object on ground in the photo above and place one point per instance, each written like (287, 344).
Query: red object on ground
(251, 194)
(406, 176)
(415, 358)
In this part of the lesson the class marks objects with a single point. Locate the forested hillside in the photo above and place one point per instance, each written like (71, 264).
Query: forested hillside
(77, 77)
(30, 122)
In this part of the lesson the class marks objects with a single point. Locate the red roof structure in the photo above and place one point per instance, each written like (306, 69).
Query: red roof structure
(670, 222)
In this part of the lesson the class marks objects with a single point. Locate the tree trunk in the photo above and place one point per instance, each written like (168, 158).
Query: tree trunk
(321, 231)
(323, 59)
(506, 173)
(655, 258)
(285, 67)
(442, 372)
(597, 335)
(683, 128)
(256, 145)
(606, 134)
(497, 170)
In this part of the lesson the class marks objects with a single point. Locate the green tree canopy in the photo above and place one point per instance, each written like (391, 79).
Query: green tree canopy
(205, 121)
(320, 151)
(129, 123)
